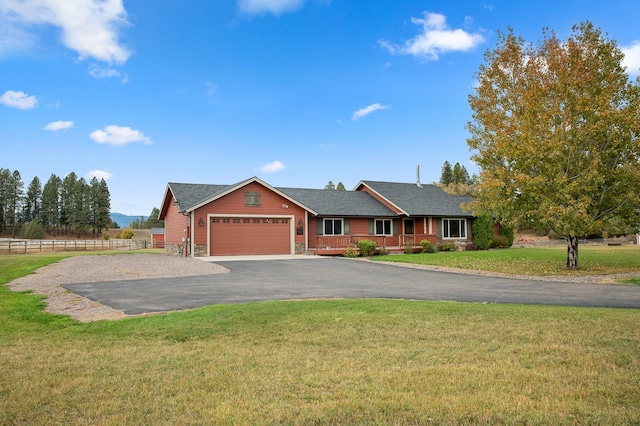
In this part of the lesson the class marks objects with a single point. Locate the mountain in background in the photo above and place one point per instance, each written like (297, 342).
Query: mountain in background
(124, 220)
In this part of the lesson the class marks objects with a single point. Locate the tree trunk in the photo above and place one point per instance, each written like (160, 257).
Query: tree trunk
(572, 252)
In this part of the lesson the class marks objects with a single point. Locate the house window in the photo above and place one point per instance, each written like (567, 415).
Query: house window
(454, 228)
(383, 227)
(333, 227)
(252, 199)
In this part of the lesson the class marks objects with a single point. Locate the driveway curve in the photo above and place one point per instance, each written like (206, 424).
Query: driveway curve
(328, 278)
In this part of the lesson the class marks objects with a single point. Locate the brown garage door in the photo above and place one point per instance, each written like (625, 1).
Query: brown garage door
(255, 235)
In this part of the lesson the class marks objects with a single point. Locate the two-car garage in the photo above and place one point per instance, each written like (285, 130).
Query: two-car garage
(249, 235)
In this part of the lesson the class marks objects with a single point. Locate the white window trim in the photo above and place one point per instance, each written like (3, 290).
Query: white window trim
(459, 220)
(333, 219)
(375, 228)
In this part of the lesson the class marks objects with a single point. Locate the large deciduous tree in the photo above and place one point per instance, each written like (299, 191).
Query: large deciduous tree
(555, 132)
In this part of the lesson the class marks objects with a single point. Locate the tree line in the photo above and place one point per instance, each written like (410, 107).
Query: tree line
(61, 207)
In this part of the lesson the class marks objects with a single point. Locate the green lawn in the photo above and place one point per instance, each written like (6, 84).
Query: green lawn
(532, 261)
(318, 362)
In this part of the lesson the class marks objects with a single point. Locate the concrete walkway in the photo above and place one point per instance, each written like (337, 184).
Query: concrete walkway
(326, 278)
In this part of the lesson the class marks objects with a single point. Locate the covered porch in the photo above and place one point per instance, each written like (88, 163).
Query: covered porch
(335, 245)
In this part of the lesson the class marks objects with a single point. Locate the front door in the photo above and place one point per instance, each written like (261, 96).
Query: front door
(408, 227)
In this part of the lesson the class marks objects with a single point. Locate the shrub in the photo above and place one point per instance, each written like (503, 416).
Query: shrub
(367, 247)
(34, 230)
(427, 247)
(383, 251)
(351, 252)
(507, 231)
(483, 231)
(408, 248)
(125, 234)
(471, 246)
(105, 236)
(499, 241)
(447, 246)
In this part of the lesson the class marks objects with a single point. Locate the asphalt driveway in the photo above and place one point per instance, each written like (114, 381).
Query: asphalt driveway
(263, 280)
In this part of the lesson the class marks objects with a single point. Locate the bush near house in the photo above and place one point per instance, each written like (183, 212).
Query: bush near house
(483, 232)
(367, 247)
(351, 252)
(500, 241)
(427, 247)
(447, 246)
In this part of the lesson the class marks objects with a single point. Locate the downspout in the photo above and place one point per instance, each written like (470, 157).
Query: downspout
(191, 225)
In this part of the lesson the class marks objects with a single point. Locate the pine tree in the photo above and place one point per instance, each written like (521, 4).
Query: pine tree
(15, 196)
(103, 208)
(32, 209)
(460, 175)
(5, 177)
(447, 174)
(340, 187)
(153, 221)
(67, 190)
(51, 204)
(330, 185)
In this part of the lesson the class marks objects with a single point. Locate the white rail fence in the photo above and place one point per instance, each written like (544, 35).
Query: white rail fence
(17, 246)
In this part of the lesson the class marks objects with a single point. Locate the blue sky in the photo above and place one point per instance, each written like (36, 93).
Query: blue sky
(296, 92)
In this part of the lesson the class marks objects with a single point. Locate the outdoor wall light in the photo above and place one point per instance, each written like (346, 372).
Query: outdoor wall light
(300, 223)
(201, 222)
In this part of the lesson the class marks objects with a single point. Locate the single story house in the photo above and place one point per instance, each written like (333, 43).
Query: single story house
(253, 217)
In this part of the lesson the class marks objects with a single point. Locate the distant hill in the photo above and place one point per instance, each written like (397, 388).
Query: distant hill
(124, 220)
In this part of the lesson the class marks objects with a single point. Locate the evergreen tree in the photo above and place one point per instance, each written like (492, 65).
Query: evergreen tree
(329, 185)
(460, 175)
(32, 209)
(15, 195)
(81, 211)
(103, 219)
(447, 174)
(67, 191)
(340, 187)
(99, 205)
(153, 221)
(5, 177)
(51, 203)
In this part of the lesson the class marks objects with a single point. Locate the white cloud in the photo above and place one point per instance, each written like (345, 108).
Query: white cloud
(272, 167)
(436, 38)
(119, 135)
(88, 27)
(18, 100)
(276, 7)
(367, 110)
(632, 58)
(98, 174)
(58, 125)
(99, 73)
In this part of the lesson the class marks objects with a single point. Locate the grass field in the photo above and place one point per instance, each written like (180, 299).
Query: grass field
(318, 362)
(532, 261)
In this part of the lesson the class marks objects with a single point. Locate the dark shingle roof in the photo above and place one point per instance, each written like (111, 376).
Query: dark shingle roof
(425, 200)
(191, 194)
(338, 203)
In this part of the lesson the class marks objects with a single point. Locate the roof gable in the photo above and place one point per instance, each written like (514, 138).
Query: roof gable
(339, 203)
(192, 196)
(414, 200)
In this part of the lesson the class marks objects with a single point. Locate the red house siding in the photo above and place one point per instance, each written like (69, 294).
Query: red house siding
(252, 237)
(176, 228)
